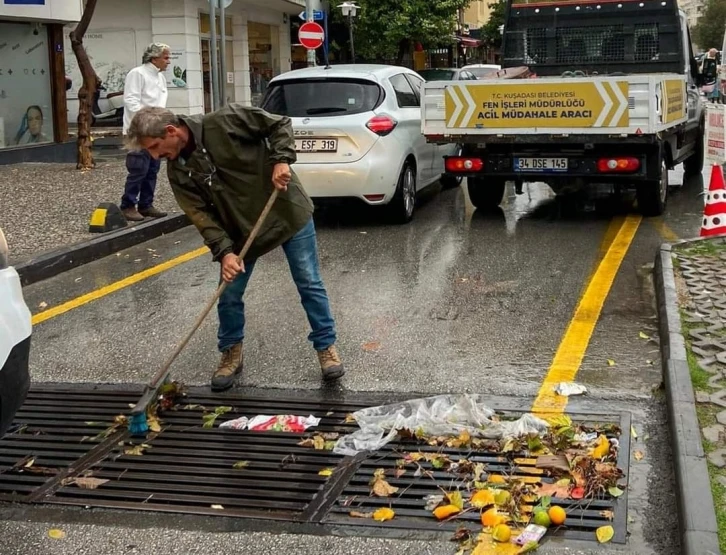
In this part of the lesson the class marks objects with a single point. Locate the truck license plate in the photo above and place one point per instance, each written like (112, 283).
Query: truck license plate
(540, 164)
(316, 145)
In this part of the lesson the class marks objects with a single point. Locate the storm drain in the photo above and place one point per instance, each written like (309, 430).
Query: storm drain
(64, 450)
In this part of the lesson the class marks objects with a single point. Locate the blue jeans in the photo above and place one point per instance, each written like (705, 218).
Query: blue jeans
(302, 257)
(141, 180)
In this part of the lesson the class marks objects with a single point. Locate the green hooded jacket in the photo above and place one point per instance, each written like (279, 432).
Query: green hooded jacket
(227, 180)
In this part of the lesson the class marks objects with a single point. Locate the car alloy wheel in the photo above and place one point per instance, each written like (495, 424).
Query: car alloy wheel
(409, 191)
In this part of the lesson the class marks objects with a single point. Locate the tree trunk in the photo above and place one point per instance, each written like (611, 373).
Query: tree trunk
(88, 89)
(402, 50)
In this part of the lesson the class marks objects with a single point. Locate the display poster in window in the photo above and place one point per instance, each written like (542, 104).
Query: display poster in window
(112, 54)
(176, 73)
(26, 116)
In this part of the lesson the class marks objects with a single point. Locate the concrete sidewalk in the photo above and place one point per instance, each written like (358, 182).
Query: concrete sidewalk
(699, 267)
(47, 206)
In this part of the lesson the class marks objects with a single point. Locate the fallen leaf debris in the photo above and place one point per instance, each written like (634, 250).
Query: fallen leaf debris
(571, 462)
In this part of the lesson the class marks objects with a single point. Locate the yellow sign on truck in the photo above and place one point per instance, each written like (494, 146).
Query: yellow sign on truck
(532, 104)
(673, 100)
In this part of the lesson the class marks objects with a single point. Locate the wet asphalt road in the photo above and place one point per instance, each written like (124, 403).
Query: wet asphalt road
(456, 301)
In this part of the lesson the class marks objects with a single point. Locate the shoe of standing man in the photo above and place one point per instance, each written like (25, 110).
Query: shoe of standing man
(145, 86)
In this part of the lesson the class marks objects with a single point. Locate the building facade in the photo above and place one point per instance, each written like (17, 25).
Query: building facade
(32, 80)
(477, 14)
(258, 46)
(693, 9)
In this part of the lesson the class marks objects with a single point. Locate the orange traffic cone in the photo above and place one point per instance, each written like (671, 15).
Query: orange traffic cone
(714, 213)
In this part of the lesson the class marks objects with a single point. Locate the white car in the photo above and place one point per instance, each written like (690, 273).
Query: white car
(358, 134)
(15, 332)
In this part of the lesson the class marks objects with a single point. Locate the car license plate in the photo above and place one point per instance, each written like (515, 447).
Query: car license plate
(540, 164)
(316, 145)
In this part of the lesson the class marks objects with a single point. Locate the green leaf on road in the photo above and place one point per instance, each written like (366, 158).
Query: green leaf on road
(615, 491)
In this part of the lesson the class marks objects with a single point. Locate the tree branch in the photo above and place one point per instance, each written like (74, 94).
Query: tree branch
(88, 89)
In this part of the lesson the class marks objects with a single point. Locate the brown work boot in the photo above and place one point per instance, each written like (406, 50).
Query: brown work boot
(229, 367)
(330, 363)
(152, 212)
(132, 215)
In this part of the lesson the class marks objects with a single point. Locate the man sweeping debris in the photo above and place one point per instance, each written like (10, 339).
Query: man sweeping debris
(222, 169)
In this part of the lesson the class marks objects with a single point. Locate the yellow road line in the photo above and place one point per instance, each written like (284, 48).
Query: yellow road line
(571, 351)
(666, 232)
(117, 285)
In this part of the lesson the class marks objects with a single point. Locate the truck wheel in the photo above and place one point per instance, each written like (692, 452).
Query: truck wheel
(403, 202)
(694, 163)
(486, 193)
(652, 195)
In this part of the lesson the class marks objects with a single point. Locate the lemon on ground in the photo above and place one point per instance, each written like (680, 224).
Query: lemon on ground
(502, 497)
(557, 515)
(502, 533)
(541, 518)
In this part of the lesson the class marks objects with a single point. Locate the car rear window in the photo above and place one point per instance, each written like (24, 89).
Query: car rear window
(322, 97)
(437, 75)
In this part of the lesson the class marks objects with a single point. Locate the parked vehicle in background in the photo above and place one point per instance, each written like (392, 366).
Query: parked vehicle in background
(447, 74)
(15, 332)
(480, 70)
(613, 103)
(358, 134)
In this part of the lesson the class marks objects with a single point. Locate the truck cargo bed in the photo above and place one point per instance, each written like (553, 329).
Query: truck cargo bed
(610, 105)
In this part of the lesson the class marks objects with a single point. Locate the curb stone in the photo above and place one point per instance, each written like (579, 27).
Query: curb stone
(51, 263)
(699, 529)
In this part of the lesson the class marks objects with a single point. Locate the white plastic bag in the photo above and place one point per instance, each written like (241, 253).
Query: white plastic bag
(437, 416)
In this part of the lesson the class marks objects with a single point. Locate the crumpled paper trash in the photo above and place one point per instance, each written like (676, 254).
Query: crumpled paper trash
(570, 388)
(277, 423)
(438, 416)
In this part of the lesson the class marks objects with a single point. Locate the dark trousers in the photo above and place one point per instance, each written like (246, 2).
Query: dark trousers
(141, 180)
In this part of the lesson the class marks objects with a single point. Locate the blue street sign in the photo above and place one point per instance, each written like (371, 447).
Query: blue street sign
(25, 2)
(317, 15)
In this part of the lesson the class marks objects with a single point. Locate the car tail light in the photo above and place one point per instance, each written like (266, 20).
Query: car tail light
(374, 198)
(457, 164)
(625, 164)
(381, 125)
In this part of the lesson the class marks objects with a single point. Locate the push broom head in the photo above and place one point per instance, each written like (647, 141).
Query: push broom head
(138, 426)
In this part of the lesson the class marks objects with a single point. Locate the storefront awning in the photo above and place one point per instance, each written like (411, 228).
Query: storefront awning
(468, 42)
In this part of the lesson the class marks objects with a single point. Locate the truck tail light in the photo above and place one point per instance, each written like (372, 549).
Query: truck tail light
(459, 164)
(381, 125)
(624, 164)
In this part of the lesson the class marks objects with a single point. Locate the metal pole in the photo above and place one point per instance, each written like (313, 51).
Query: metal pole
(326, 44)
(222, 56)
(350, 32)
(214, 81)
(309, 15)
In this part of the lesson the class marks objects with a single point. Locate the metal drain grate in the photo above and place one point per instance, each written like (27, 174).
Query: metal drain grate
(59, 432)
(186, 469)
(583, 517)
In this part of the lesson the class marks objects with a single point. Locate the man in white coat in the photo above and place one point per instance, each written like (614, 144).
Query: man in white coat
(145, 86)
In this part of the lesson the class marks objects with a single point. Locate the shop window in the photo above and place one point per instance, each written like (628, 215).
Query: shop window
(26, 116)
(264, 45)
(204, 27)
(207, 59)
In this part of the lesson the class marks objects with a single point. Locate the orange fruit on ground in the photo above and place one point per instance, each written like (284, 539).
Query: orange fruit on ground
(557, 515)
(490, 518)
(446, 511)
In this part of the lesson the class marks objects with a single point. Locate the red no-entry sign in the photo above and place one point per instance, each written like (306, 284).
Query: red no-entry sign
(311, 35)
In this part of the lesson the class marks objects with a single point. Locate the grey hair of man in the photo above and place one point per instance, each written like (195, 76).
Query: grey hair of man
(153, 51)
(149, 123)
